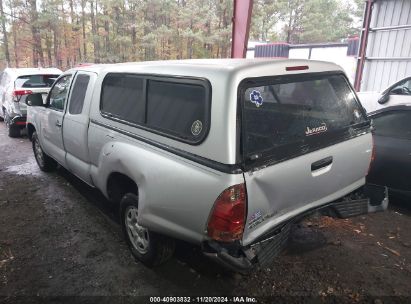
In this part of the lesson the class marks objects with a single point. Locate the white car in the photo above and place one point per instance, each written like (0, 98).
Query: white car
(15, 85)
(397, 94)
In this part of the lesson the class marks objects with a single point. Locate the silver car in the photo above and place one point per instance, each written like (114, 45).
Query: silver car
(225, 154)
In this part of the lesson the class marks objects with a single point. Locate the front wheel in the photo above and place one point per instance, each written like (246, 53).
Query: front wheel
(45, 162)
(148, 247)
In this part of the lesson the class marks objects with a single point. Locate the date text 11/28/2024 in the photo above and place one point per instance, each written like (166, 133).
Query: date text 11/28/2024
(238, 299)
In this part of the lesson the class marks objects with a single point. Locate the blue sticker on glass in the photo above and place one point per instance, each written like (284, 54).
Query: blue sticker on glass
(256, 98)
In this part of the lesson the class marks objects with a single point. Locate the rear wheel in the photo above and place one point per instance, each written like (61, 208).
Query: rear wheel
(148, 247)
(13, 131)
(45, 162)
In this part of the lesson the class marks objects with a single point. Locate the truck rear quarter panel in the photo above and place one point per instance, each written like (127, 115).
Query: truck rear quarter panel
(176, 195)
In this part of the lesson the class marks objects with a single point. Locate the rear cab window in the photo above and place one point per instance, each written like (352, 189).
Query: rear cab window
(286, 116)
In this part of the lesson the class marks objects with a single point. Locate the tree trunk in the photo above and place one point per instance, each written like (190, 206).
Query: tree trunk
(56, 48)
(83, 22)
(107, 30)
(37, 49)
(48, 46)
(67, 48)
(224, 50)
(94, 33)
(5, 38)
(133, 33)
(14, 31)
(74, 45)
(290, 19)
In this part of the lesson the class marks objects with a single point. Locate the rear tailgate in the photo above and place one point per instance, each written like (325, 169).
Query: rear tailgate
(306, 142)
(32, 84)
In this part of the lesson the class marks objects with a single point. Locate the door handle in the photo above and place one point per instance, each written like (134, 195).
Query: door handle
(58, 124)
(321, 163)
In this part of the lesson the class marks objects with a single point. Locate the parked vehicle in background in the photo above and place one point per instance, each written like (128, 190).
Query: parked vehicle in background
(396, 94)
(392, 139)
(225, 154)
(15, 85)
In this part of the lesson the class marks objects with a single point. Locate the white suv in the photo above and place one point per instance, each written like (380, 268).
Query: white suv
(15, 85)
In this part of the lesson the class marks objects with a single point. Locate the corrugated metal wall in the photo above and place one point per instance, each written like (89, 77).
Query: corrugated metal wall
(388, 55)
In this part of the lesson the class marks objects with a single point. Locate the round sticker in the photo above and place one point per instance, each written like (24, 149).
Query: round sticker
(196, 127)
(256, 98)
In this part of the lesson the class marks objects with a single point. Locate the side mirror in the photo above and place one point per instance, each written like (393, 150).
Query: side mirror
(384, 98)
(35, 100)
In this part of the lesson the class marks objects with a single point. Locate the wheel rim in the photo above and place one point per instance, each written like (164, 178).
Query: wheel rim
(38, 153)
(137, 234)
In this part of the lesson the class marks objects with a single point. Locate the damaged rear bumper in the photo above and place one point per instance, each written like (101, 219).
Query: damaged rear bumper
(369, 198)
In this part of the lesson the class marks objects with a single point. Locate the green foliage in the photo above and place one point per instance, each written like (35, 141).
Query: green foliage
(305, 21)
(64, 33)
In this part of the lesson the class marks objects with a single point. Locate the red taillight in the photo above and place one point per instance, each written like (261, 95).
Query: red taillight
(372, 155)
(21, 92)
(297, 68)
(20, 123)
(227, 220)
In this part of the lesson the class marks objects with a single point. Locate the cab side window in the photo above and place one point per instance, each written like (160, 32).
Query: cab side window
(78, 94)
(58, 93)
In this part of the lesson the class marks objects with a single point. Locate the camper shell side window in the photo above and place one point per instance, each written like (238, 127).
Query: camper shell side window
(175, 107)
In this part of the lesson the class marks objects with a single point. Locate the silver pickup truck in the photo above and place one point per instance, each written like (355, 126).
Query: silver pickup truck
(226, 154)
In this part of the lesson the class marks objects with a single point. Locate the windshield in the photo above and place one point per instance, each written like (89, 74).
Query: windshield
(284, 116)
(35, 81)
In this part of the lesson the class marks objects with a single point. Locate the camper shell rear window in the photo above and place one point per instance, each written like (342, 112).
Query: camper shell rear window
(286, 116)
(175, 107)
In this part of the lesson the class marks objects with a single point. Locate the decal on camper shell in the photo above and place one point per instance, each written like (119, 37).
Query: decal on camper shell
(312, 131)
(256, 98)
(196, 127)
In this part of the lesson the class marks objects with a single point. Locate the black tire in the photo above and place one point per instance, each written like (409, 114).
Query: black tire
(13, 131)
(159, 249)
(45, 162)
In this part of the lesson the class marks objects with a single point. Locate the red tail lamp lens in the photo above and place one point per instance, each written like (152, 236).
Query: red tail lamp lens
(21, 92)
(227, 220)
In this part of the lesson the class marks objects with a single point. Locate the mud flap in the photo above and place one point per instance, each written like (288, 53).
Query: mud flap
(367, 199)
(271, 247)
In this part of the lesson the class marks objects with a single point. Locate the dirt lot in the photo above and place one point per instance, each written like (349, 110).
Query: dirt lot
(58, 237)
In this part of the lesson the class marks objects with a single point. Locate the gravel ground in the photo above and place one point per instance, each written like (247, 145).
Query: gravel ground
(60, 238)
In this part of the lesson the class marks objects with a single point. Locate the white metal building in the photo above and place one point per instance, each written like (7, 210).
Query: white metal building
(385, 45)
